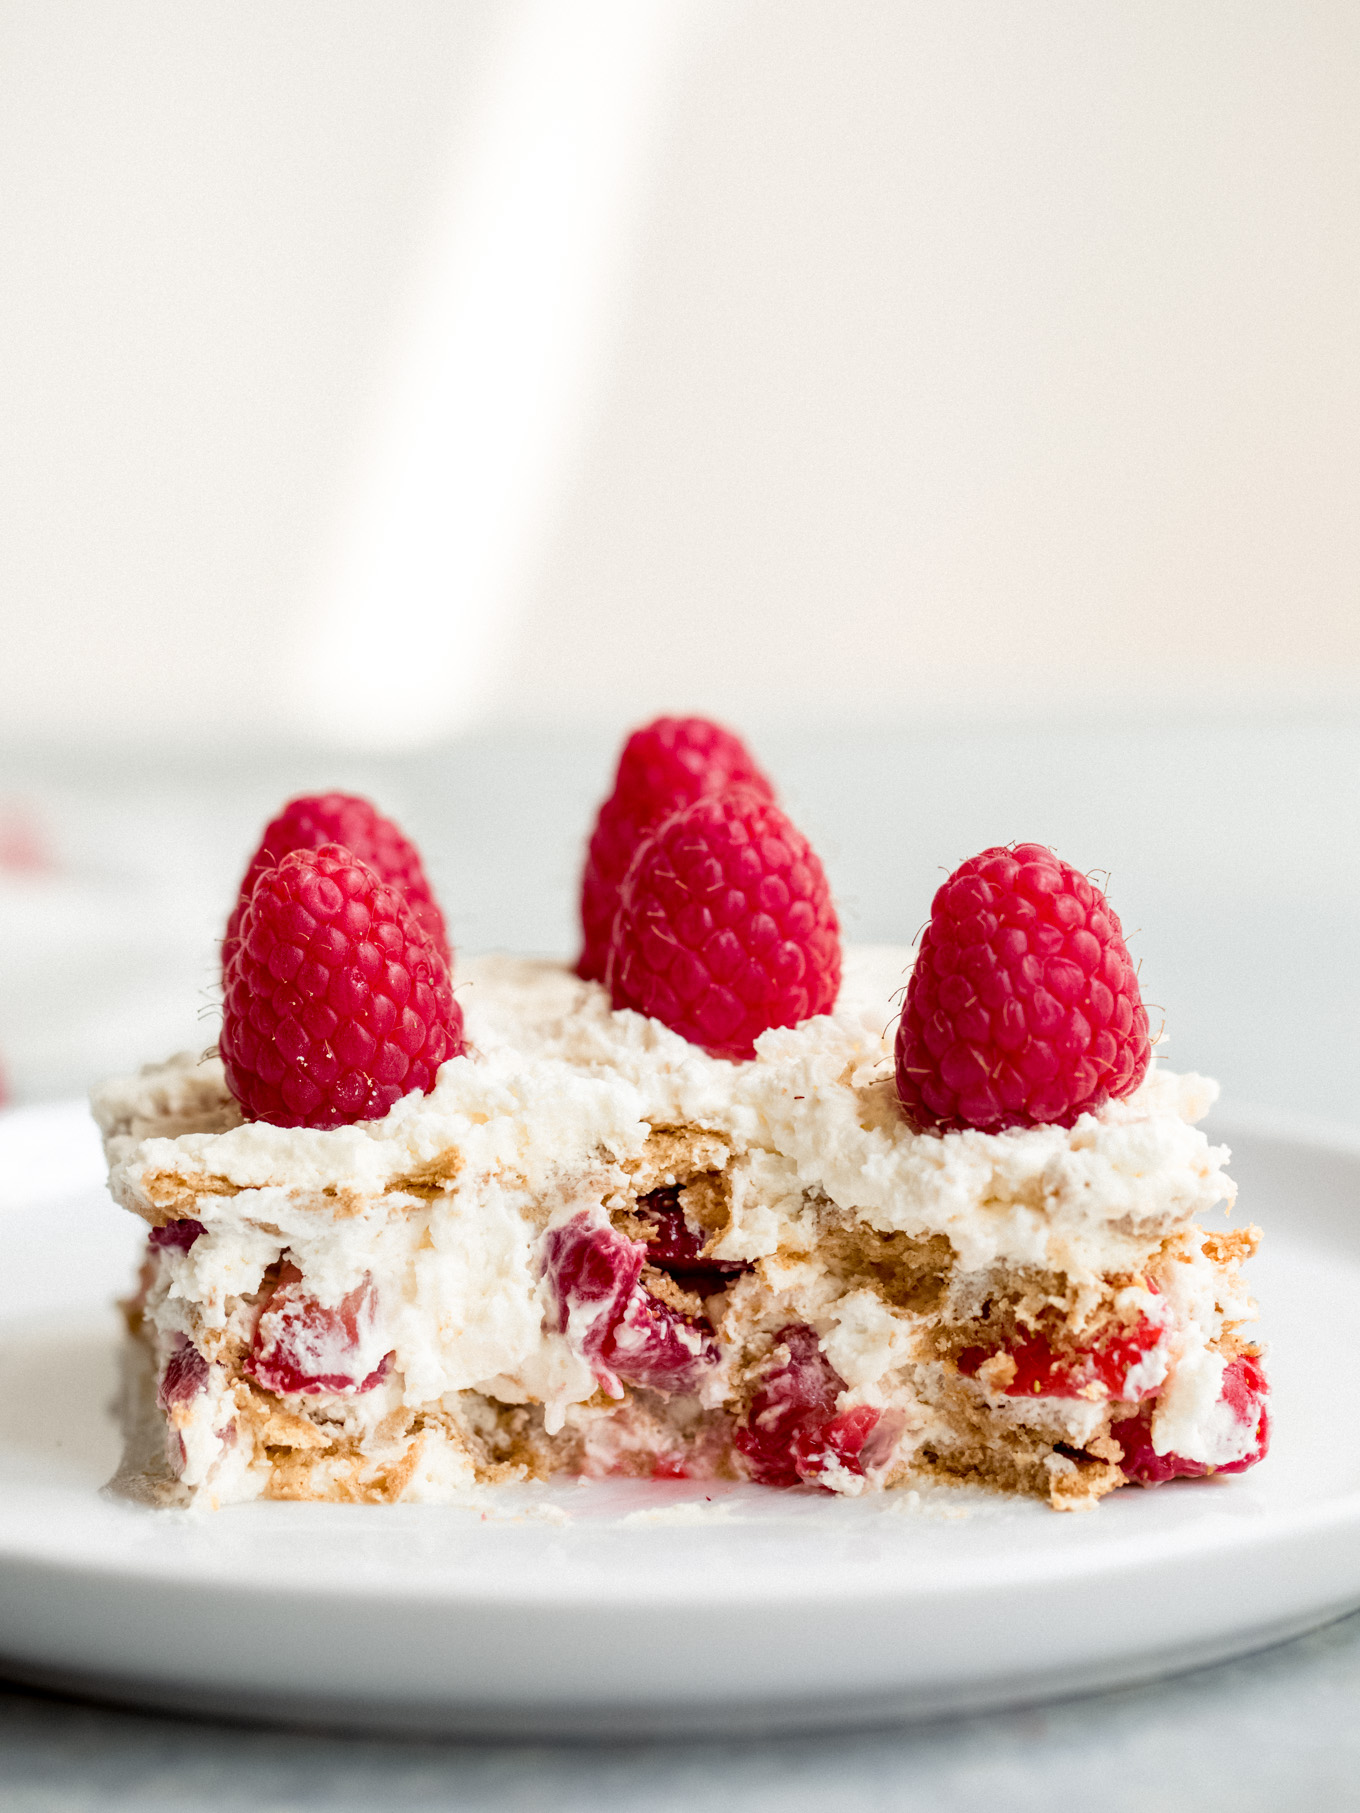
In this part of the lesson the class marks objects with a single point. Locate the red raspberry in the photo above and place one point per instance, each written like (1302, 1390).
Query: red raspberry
(656, 1345)
(612, 1319)
(725, 926)
(185, 1375)
(664, 765)
(674, 1246)
(1244, 1397)
(180, 1235)
(314, 819)
(792, 1434)
(337, 1004)
(592, 1271)
(300, 1345)
(842, 1445)
(1023, 1007)
(1108, 1368)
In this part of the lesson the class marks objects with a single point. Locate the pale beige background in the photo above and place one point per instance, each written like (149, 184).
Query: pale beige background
(783, 357)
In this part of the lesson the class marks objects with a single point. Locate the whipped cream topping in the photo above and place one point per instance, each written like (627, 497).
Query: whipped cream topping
(560, 1088)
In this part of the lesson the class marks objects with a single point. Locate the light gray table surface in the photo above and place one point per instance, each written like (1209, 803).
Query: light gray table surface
(1236, 868)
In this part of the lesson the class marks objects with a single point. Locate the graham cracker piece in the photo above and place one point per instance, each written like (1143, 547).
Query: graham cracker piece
(1077, 1484)
(1233, 1246)
(677, 1155)
(907, 1273)
(707, 1202)
(434, 1178)
(173, 1195)
(272, 1424)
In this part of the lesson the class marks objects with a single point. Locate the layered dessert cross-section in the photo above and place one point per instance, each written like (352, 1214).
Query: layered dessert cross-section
(721, 1202)
(593, 1248)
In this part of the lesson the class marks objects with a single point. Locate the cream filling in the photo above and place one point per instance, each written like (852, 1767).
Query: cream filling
(1190, 1418)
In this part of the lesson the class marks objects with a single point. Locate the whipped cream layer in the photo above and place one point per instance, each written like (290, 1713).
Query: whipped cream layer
(559, 1092)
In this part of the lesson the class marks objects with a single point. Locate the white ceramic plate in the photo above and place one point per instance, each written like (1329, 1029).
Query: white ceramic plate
(637, 1608)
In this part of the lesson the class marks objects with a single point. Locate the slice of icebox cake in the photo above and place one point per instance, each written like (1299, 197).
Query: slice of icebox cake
(717, 1203)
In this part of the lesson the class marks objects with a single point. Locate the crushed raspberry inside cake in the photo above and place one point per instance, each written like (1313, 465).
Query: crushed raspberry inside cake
(792, 1433)
(184, 1376)
(176, 1236)
(677, 1247)
(1034, 1366)
(302, 1346)
(1242, 1406)
(653, 1344)
(629, 1335)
